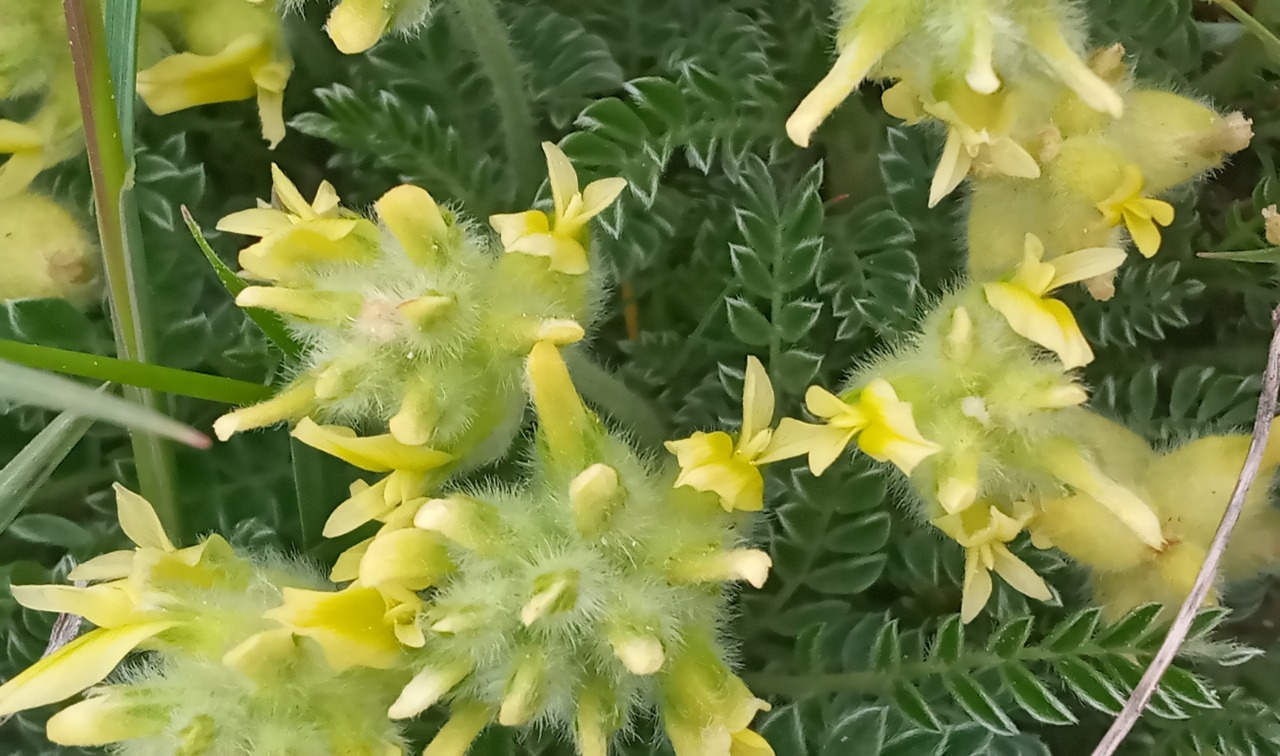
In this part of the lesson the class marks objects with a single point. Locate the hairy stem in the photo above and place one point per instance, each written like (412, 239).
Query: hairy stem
(497, 57)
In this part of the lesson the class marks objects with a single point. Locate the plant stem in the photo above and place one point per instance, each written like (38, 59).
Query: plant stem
(603, 389)
(108, 166)
(1255, 27)
(214, 388)
(497, 57)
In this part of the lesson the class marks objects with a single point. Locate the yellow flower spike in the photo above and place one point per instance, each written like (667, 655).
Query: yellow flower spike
(882, 423)
(560, 237)
(290, 404)
(716, 463)
(1141, 215)
(374, 453)
(414, 219)
(983, 531)
(101, 720)
(356, 25)
(411, 558)
(83, 662)
(427, 688)
(875, 32)
(463, 727)
(1032, 314)
(349, 625)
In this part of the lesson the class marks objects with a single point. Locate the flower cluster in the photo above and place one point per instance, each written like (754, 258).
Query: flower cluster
(589, 596)
(224, 678)
(414, 324)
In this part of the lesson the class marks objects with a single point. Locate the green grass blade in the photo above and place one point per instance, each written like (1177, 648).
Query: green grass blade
(270, 323)
(118, 227)
(121, 26)
(30, 468)
(37, 388)
(214, 388)
(1269, 255)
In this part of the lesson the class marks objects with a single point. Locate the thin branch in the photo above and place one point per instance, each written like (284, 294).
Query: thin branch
(1146, 687)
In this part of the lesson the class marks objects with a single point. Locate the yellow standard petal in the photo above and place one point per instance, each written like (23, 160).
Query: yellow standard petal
(139, 520)
(757, 400)
(85, 661)
(1046, 322)
(349, 625)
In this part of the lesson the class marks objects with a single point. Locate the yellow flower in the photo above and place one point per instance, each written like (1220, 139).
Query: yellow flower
(714, 462)
(983, 532)
(1141, 215)
(1025, 304)
(561, 237)
(130, 609)
(297, 232)
(50, 136)
(244, 67)
(977, 135)
(350, 626)
(876, 417)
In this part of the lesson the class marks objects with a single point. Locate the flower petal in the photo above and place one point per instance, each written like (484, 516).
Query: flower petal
(562, 177)
(107, 605)
(85, 661)
(1084, 264)
(1145, 233)
(824, 404)
(139, 520)
(185, 80)
(977, 586)
(512, 226)
(599, 195)
(1046, 322)
(757, 400)
(374, 453)
(952, 168)
(110, 566)
(349, 625)
(258, 221)
(101, 720)
(1019, 575)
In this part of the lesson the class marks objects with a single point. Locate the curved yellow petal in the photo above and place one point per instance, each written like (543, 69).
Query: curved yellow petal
(977, 586)
(139, 520)
(185, 80)
(110, 566)
(106, 605)
(364, 505)
(952, 169)
(414, 219)
(513, 226)
(1145, 233)
(792, 438)
(701, 448)
(374, 453)
(749, 743)
(85, 661)
(1019, 575)
(1046, 322)
(1084, 264)
(562, 177)
(411, 558)
(258, 221)
(851, 67)
(757, 400)
(824, 404)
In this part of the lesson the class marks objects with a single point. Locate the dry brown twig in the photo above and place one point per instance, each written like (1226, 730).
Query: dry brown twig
(1146, 687)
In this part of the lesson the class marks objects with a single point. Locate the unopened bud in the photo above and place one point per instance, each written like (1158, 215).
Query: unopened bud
(553, 593)
(593, 494)
(522, 696)
(1272, 220)
(467, 522)
(640, 654)
(427, 688)
(750, 565)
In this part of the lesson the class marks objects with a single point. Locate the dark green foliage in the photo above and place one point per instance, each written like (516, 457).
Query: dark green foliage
(729, 242)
